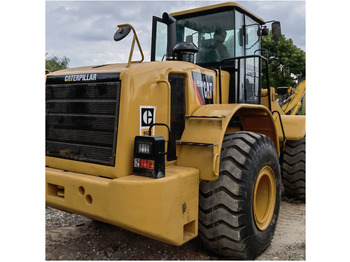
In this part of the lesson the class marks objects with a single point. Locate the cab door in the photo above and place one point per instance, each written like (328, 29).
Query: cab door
(159, 39)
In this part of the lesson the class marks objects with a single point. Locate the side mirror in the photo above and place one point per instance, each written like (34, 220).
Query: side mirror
(122, 32)
(276, 31)
(264, 31)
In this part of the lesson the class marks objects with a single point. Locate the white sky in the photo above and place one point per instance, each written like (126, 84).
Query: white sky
(83, 31)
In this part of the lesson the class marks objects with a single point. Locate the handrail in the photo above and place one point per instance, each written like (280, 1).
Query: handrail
(246, 57)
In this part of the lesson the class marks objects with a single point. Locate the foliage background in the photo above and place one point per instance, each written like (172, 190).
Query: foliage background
(54, 63)
(287, 62)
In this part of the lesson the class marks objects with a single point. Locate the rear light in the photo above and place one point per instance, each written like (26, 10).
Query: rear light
(144, 163)
(149, 157)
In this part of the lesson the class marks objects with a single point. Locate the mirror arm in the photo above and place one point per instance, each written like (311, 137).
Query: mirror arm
(135, 38)
(270, 21)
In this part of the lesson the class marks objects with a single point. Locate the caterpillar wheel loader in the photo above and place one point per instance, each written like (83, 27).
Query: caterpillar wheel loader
(187, 144)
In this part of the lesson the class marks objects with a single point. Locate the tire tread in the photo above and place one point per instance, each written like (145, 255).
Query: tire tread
(223, 225)
(293, 169)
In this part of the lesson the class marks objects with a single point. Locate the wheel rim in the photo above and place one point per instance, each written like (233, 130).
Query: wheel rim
(264, 198)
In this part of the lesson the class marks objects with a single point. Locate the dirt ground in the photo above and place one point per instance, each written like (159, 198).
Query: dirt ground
(73, 237)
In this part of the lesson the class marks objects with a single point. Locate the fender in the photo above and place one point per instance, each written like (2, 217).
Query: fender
(293, 125)
(201, 141)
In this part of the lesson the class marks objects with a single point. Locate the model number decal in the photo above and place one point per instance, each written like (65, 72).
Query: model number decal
(203, 85)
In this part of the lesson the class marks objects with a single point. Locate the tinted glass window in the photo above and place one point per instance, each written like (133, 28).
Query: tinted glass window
(161, 41)
(252, 46)
(213, 34)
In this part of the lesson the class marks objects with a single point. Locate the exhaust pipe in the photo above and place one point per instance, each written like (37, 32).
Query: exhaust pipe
(170, 22)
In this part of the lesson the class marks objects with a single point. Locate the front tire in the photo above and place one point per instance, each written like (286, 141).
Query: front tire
(238, 212)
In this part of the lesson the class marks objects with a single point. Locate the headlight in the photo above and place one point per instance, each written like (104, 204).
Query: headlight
(144, 147)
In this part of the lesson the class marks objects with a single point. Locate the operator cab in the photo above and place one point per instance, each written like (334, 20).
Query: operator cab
(226, 35)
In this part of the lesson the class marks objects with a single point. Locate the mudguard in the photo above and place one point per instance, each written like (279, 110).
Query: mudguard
(200, 144)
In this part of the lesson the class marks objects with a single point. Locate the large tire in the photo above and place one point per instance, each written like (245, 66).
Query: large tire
(293, 169)
(238, 212)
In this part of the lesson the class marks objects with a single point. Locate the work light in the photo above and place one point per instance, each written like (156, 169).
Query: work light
(149, 157)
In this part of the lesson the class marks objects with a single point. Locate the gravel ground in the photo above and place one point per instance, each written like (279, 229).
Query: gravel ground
(73, 237)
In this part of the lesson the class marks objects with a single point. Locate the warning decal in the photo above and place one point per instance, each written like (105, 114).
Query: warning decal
(147, 118)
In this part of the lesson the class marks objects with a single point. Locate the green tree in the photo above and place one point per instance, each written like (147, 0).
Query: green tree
(286, 61)
(54, 63)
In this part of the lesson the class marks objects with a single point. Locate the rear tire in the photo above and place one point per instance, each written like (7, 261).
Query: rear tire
(293, 169)
(238, 212)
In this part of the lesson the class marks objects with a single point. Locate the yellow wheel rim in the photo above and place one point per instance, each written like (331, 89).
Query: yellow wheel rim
(264, 198)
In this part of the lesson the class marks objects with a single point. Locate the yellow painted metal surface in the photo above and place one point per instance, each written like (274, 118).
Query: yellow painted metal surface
(228, 6)
(225, 83)
(293, 103)
(205, 130)
(264, 197)
(150, 88)
(163, 209)
(294, 125)
(273, 99)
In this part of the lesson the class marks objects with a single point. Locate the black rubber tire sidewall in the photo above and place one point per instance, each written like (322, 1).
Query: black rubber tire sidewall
(257, 151)
(265, 157)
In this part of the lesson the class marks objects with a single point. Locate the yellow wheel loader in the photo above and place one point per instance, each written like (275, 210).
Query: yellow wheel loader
(187, 144)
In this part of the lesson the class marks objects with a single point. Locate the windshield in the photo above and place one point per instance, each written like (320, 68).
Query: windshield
(213, 34)
(219, 35)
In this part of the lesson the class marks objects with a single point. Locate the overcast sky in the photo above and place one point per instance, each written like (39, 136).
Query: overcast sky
(83, 30)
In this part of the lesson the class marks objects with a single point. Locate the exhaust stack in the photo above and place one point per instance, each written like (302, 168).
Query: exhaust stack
(170, 22)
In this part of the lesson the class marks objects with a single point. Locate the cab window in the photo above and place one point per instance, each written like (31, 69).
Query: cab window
(213, 34)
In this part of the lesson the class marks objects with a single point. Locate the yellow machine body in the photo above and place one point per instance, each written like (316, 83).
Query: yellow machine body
(294, 126)
(165, 209)
(145, 205)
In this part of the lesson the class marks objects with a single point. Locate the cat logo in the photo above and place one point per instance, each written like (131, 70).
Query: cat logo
(147, 118)
(203, 86)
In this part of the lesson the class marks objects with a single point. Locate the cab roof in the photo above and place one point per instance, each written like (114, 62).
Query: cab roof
(217, 7)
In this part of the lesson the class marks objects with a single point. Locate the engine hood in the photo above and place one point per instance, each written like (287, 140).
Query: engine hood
(108, 68)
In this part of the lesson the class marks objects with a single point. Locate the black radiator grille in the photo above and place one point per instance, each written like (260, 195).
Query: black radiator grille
(81, 120)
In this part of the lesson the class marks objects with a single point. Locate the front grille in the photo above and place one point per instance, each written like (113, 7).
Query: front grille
(82, 118)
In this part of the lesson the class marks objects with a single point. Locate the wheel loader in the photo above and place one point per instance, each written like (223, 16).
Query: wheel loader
(187, 144)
